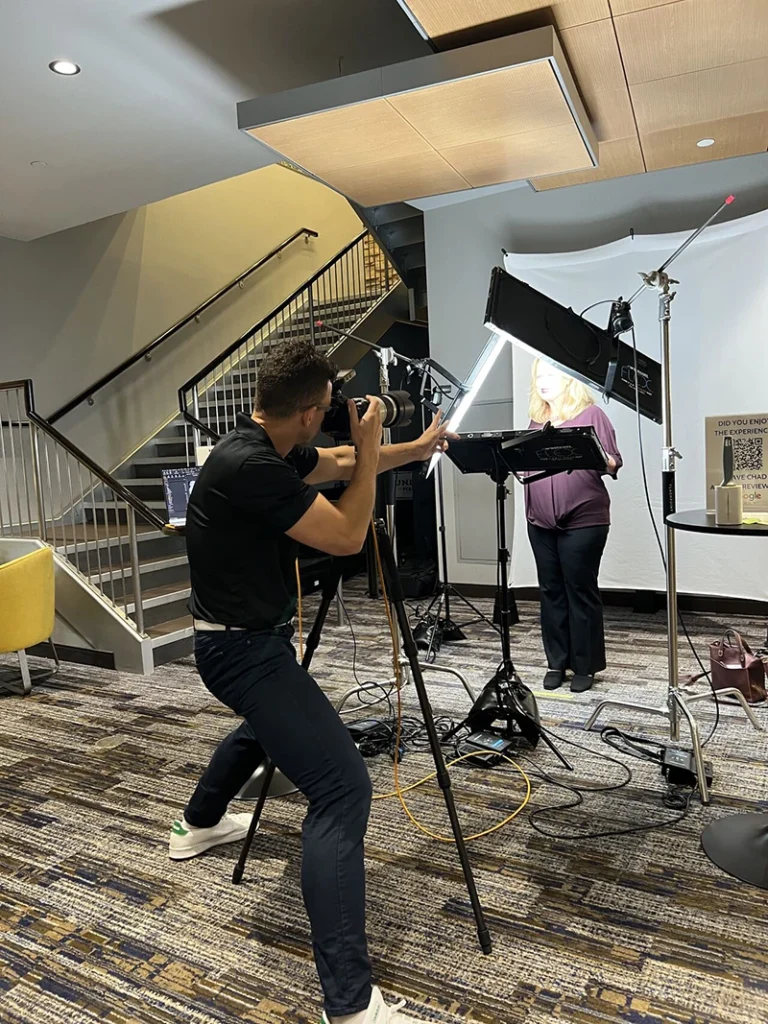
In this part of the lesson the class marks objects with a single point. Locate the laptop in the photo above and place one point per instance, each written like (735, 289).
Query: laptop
(177, 487)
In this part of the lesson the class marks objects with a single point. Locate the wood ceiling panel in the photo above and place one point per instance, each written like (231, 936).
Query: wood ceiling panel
(711, 95)
(492, 106)
(344, 137)
(692, 35)
(443, 17)
(631, 6)
(394, 180)
(734, 136)
(617, 159)
(520, 156)
(594, 57)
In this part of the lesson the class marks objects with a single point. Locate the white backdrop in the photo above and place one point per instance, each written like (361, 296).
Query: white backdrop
(719, 335)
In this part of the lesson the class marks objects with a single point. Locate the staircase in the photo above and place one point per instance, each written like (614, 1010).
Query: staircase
(399, 229)
(122, 578)
(165, 584)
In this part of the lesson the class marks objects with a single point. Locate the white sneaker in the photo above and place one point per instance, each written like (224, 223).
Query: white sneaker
(187, 841)
(379, 1013)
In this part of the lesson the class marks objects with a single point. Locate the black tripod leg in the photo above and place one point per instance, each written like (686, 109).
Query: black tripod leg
(329, 590)
(237, 872)
(561, 757)
(397, 598)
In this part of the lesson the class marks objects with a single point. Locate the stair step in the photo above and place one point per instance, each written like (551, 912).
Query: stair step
(155, 597)
(165, 461)
(98, 506)
(168, 632)
(148, 565)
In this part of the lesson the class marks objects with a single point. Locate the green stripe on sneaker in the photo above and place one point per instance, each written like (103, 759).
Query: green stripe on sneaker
(178, 829)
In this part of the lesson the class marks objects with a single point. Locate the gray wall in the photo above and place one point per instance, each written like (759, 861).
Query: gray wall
(464, 242)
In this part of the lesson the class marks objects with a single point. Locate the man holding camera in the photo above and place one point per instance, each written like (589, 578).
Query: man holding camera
(251, 505)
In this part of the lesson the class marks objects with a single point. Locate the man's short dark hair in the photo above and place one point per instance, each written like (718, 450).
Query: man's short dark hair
(291, 378)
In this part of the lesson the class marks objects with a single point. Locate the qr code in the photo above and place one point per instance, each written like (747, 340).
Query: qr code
(747, 453)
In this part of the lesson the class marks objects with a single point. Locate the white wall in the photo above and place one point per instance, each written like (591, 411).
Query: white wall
(464, 241)
(75, 304)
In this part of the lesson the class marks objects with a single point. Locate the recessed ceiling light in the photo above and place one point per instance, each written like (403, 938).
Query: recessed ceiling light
(703, 143)
(38, 163)
(64, 67)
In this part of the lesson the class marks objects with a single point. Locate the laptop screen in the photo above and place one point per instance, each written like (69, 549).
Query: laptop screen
(177, 487)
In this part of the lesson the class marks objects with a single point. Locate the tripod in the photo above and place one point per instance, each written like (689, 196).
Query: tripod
(397, 599)
(505, 697)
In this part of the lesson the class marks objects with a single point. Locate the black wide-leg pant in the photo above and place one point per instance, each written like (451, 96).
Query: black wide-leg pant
(568, 563)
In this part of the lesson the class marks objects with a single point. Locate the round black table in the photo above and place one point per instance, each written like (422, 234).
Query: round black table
(739, 843)
(701, 521)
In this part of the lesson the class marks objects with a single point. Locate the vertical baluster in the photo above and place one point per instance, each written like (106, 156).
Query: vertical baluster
(335, 289)
(121, 564)
(186, 445)
(96, 537)
(22, 448)
(51, 501)
(86, 541)
(312, 313)
(5, 408)
(16, 487)
(212, 394)
(60, 499)
(67, 458)
(109, 535)
(135, 570)
(37, 476)
(360, 272)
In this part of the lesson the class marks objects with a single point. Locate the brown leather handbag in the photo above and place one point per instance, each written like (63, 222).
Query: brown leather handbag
(733, 664)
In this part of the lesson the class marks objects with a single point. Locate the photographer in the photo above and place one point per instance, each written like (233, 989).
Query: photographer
(252, 504)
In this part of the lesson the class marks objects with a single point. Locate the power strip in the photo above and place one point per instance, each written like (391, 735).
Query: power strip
(679, 768)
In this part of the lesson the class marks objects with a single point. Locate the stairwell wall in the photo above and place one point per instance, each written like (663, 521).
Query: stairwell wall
(77, 303)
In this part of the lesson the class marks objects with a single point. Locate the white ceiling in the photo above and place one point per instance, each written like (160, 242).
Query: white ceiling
(153, 112)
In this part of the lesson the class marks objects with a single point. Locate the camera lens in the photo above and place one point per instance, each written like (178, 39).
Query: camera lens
(399, 409)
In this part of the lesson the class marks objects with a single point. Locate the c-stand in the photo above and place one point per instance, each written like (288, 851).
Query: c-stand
(397, 600)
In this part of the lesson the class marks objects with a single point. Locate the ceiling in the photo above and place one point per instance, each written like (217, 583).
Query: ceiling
(655, 75)
(152, 113)
(481, 115)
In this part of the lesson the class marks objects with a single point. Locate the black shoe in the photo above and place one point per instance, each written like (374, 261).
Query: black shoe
(554, 679)
(579, 684)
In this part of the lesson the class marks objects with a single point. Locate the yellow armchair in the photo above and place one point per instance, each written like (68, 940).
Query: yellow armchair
(27, 608)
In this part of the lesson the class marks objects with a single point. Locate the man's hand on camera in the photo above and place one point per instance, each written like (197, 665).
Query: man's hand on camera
(433, 441)
(366, 432)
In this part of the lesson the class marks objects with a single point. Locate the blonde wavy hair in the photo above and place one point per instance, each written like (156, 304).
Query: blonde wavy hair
(575, 399)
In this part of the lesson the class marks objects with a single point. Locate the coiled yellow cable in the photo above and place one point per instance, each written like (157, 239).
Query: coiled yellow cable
(398, 790)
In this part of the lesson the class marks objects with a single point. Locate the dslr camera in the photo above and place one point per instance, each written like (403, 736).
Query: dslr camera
(397, 408)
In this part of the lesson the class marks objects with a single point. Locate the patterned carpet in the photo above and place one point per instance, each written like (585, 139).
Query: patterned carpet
(96, 924)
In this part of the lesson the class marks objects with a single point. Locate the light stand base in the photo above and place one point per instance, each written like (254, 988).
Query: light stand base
(680, 703)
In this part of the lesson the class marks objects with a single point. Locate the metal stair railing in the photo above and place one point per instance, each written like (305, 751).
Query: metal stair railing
(342, 292)
(150, 347)
(53, 491)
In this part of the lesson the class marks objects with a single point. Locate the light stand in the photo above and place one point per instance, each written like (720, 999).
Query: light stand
(435, 625)
(676, 707)
(390, 357)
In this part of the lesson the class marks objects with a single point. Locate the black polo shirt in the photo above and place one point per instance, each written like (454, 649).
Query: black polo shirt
(241, 562)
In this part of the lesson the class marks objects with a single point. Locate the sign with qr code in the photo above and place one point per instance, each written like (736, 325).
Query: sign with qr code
(750, 457)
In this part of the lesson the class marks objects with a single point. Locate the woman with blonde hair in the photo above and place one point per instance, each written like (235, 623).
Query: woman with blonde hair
(568, 520)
